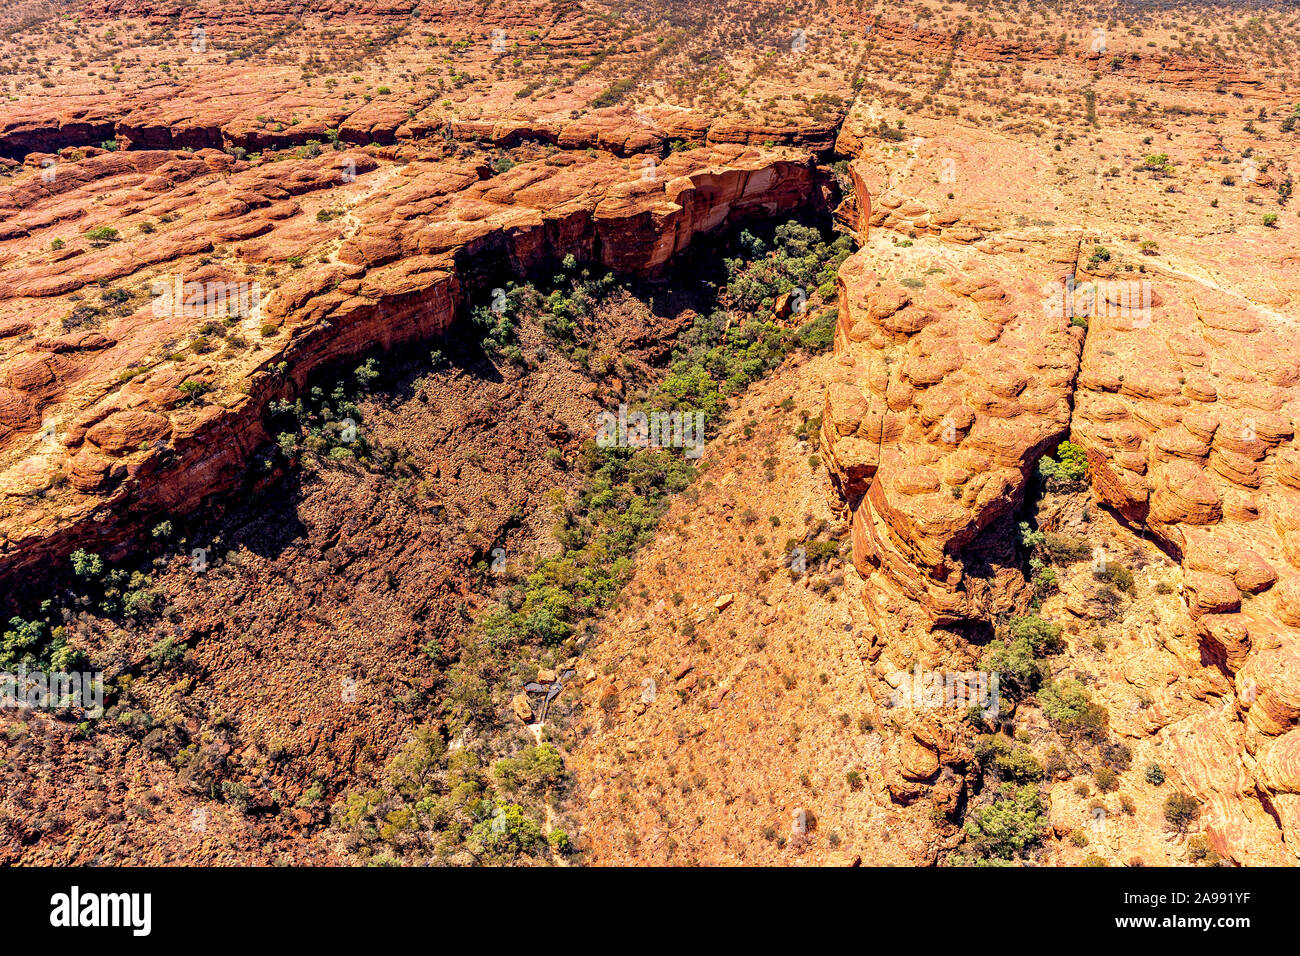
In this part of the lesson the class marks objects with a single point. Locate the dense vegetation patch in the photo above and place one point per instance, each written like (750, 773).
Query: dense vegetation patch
(1013, 822)
(39, 639)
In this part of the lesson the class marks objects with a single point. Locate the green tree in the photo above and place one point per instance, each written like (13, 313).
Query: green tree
(1012, 823)
(508, 832)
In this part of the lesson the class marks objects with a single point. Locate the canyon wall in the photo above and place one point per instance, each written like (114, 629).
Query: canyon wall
(952, 389)
(101, 432)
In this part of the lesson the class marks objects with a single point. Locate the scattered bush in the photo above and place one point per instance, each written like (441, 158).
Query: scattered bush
(1012, 761)
(1115, 574)
(1065, 549)
(1181, 810)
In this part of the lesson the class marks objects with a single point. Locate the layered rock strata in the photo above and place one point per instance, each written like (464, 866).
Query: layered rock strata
(116, 405)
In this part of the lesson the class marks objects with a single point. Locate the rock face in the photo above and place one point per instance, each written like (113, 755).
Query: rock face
(200, 206)
(974, 334)
(100, 430)
(950, 395)
(224, 121)
(955, 376)
(1188, 417)
(532, 70)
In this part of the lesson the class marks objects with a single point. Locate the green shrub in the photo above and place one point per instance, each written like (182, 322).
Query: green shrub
(1014, 662)
(167, 651)
(1068, 471)
(534, 770)
(139, 603)
(1154, 774)
(1064, 548)
(366, 373)
(1020, 765)
(1070, 709)
(1200, 851)
(559, 841)
(508, 833)
(1014, 653)
(614, 92)
(1012, 823)
(22, 641)
(192, 389)
(87, 566)
(1043, 579)
(1043, 636)
(818, 335)
(1118, 755)
(1012, 761)
(1115, 574)
(1181, 810)
(236, 794)
(1030, 537)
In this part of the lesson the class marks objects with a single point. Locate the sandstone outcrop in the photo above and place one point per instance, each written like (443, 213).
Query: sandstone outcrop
(97, 434)
(1187, 414)
(201, 205)
(1176, 384)
(950, 395)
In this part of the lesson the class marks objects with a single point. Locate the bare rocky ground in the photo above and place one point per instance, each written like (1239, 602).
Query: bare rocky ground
(761, 702)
